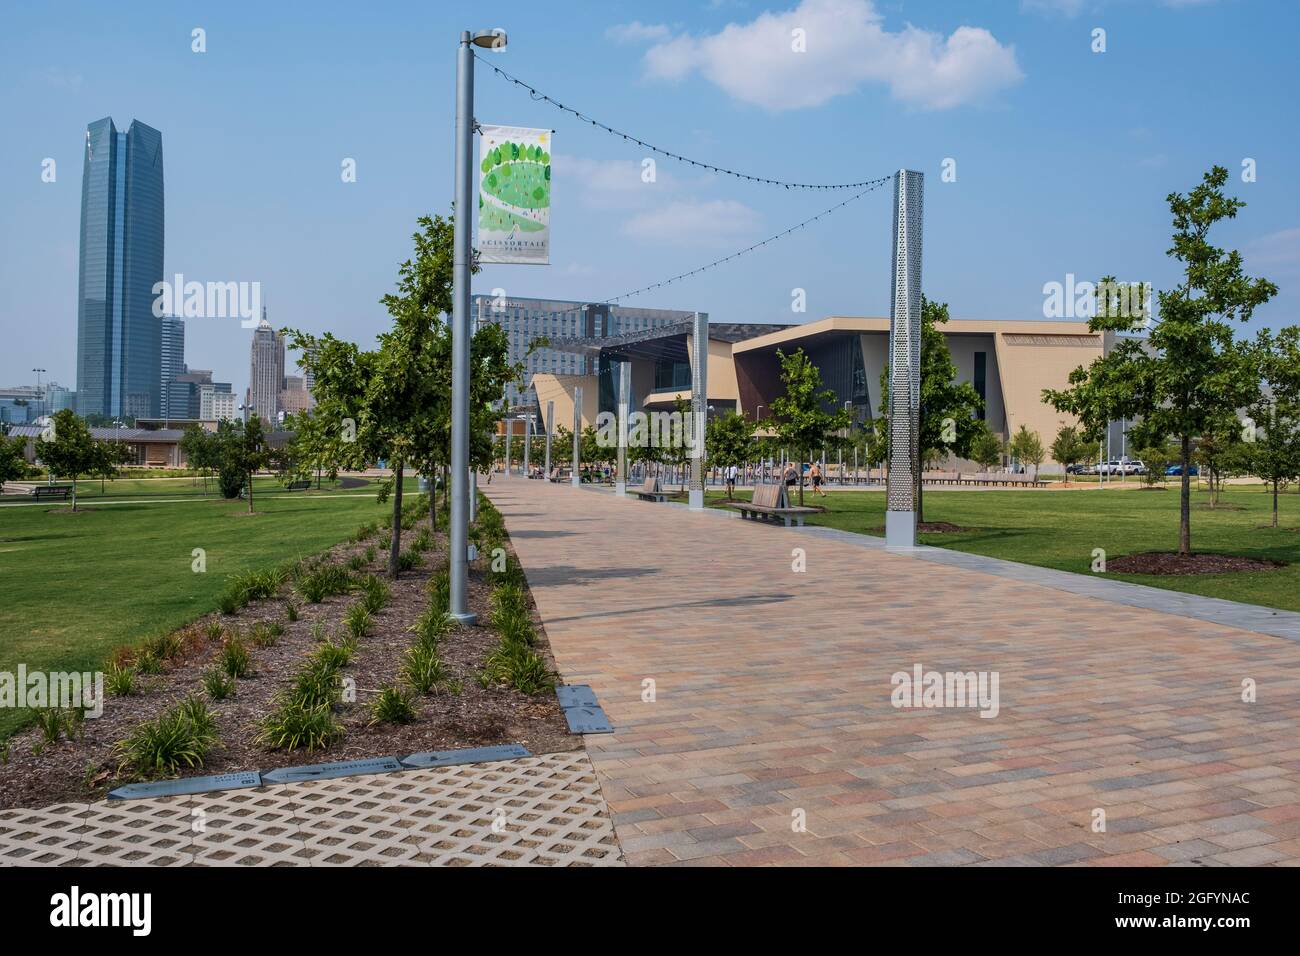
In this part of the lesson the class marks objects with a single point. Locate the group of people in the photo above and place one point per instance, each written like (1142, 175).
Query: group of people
(790, 476)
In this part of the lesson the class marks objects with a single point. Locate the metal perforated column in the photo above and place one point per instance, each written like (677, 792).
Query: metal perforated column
(577, 434)
(699, 409)
(550, 427)
(904, 361)
(624, 406)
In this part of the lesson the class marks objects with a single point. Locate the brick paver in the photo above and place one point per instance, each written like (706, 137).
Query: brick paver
(772, 739)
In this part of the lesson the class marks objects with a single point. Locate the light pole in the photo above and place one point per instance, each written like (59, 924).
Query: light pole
(39, 392)
(462, 265)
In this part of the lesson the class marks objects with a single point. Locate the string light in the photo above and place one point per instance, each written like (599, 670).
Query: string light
(628, 137)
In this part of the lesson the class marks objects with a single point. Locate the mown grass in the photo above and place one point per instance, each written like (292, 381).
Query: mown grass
(76, 586)
(1060, 529)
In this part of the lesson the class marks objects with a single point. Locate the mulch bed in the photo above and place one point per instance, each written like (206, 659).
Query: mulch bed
(1170, 562)
(84, 769)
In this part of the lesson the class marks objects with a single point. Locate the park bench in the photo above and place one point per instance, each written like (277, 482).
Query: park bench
(650, 490)
(52, 491)
(301, 484)
(941, 477)
(770, 504)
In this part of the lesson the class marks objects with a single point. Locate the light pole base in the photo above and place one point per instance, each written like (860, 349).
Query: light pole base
(620, 488)
(695, 499)
(465, 618)
(577, 481)
(900, 529)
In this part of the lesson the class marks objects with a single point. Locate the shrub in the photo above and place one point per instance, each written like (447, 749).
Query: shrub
(234, 659)
(385, 542)
(333, 655)
(147, 663)
(358, 621)
(318, 631)
(409, 560)
(214, 630)
(50, 721)
(317, 683)
(228, 603)
(431, 625)
(291, 611)
(320, 583)
(119, 681)
(375, 593)
(164, 647)
(519, 666)
(440, 590)
(422, 669)
(370, 554)
(392, 706)
(356, 562)
(218, 684)
(264, 634)
(293, 725)
(514, 625)
(181, 737)
(422, 541)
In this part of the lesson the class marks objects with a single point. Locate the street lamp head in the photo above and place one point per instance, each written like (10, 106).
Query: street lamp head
(490, 39)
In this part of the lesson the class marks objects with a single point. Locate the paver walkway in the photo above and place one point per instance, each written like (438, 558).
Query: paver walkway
(771, 737)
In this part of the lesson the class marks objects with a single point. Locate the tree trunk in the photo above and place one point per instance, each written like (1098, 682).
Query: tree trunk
(395, 546)
(74, 491)
(1274, 502)
(1185, 502)
(250, 492)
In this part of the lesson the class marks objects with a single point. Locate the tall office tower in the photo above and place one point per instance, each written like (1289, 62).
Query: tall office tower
(266, 371)
(308, 376)
(175, 395)
(527, 319)
(118, 336)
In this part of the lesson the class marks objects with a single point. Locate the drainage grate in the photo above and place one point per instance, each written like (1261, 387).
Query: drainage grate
(582, 710)
(576, 695)
(450, 758)
(327, 771)
(176, 788)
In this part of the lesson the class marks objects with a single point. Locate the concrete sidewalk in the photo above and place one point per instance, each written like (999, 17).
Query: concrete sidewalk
(752, 701)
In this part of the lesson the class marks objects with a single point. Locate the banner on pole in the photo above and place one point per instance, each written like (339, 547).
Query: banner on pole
(514, 195)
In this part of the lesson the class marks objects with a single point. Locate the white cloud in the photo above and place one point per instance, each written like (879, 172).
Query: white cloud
(613, 183)
(1279, 251)
(695, 222)
(638, 32)
(846, 46)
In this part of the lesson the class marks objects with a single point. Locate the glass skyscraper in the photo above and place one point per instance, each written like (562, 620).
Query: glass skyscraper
(119, 347)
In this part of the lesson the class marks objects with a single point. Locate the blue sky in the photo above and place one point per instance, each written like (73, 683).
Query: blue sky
(1063, 156)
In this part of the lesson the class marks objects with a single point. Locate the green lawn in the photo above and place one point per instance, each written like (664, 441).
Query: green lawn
(76, 586)
(168, 488)
(1059, 529)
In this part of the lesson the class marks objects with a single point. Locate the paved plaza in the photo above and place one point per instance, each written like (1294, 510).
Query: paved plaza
(768, 735)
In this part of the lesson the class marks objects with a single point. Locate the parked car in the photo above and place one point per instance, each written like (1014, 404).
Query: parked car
(1077, 469)
(1192, 470)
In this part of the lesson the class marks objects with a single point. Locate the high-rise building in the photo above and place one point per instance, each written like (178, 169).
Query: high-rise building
(266, 371)
(216, 402)
(175, 394)
(294, 397)
(118, 337)
(525, 320)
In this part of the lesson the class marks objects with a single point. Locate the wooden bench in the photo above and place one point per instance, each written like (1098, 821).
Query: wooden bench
(52, 491)
(770, 504)
(650, 491)
(302, 484)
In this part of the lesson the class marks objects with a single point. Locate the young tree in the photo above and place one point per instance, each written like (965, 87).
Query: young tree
(1027, 448)
(244, 451)
(802, 421)
(109, 457)
(71, 453)
(1190, 369)
(987, 448)
(1156, 458)
(1272, 450)
(13, 460)
(1068, 449)
(950, 409)
(729, 440)
(202, 451)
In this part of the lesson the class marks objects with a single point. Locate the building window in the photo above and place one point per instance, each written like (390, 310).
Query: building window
(981, 371)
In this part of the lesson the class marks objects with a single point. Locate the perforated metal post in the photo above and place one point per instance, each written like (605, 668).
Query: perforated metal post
(624, 403)
(904, 362)
(577, 435)
(528, 441)
(699, 409)
(550, 427)
(510, 428)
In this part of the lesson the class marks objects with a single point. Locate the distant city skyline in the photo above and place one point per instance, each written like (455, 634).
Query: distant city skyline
(1061, 158)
